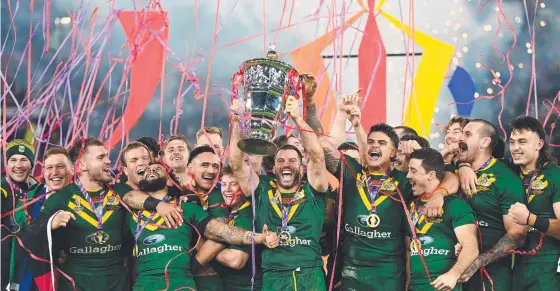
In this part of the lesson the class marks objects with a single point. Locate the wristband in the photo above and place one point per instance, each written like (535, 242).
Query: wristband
(531, 219)
(195, 266)
(464, 165)
(541, 224)
(151, 203)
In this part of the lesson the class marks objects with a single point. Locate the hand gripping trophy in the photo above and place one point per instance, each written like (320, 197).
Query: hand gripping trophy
(267, 83)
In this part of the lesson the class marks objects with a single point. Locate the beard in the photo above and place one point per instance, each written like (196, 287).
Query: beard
(152, 185)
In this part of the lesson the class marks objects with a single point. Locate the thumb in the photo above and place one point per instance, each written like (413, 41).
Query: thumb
(265, 229)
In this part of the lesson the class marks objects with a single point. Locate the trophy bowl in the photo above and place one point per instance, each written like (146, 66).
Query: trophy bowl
(267, 82)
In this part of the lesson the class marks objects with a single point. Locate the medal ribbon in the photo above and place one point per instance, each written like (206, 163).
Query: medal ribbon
(486, 164)
(98, 211)
(373, 190)
(287, 209)
(530, 186)
(139, 227)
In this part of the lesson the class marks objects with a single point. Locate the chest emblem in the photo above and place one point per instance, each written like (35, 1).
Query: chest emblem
(540, 183)
(485, 181)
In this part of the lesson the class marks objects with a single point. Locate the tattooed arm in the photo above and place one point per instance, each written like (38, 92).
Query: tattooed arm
(247, 179)
(218, 231)
(172, 214)
(513, 239)
(312, 119)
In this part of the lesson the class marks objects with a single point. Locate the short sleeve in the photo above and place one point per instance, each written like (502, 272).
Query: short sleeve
(460, 212)
(193, 213)
(513, 192)
(319, 198)
(121, 188)
(216, 205)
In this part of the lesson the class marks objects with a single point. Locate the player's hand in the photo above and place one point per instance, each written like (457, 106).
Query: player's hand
(519, 213)
(310, 87)
(354, 115)
(445, 282)
(292, 107)
(61, 219)
(270, 238)
(450, 152)
(172, 214)
(468, 179)
(407, 147)
(458, 249)
(349, 99)
(434, 206)
(469, 272)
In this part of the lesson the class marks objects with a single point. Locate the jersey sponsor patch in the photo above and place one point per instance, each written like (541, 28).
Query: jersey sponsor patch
(367, 233)
(87, 250)
(425, 241)
(153, 239)
(160, 250)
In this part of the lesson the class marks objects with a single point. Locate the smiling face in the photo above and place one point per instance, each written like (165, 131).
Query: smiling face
(418, 177)
(380, 150)
(19, 168)
(57, 172)
(453, 133)
(95, 162)
(137, 160)
(287, 168)
(176, 155)
(524, 146)
(230, 190)
(205, 168)
(401, 161)
(472, 142)
(154, 178)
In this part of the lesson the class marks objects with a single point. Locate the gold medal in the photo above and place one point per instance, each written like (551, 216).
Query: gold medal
(373, 220)
(415, 245)
(135, 251)
(284, 237)
(100, 237)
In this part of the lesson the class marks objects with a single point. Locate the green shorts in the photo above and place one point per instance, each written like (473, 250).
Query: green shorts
(208, 283)
(388, 277)
(500, 273)
(93, 282)
(308, 279)
(242, 285)
(536, 277)
(157, 282)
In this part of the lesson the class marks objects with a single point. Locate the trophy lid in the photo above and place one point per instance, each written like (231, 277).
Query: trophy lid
(271, 54)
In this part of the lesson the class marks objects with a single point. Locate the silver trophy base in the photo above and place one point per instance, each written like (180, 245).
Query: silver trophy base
(257, 147)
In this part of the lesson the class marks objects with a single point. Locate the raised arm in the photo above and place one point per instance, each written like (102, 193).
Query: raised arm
(317, 174)
(355, 116)
(139, 200)
(513, 239)
(247, 179)
(466, 235)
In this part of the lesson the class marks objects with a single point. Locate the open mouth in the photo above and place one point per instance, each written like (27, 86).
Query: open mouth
(287, 174)
(152, 176)
(374, 154)
(209, 178)
(463, 146)
(56, 180)
(176, 159)
(141, 172)
(19, 171)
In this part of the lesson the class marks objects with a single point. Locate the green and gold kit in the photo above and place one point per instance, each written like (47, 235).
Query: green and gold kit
(298, 256)
(498, 188)
(538, 271)
(157, 248)
(437, 240)
(373, 248)
(93, 255)
(238, 280)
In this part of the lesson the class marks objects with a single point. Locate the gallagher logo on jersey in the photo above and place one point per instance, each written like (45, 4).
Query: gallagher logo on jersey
(153, 239)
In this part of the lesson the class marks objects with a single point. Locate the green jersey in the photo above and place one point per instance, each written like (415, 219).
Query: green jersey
(213, 203)
(299, 240)
(371, 246)
(88, 248)
(242, 217)
(156, 246)
(544, 192)
(498, 188)
(437, 238)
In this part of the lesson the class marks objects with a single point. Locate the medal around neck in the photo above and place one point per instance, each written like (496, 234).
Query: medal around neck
(267, 83)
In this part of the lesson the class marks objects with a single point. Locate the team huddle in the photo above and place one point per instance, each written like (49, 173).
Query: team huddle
(399, 215)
